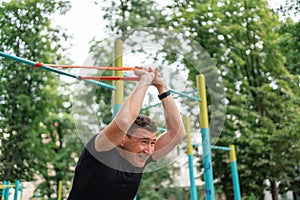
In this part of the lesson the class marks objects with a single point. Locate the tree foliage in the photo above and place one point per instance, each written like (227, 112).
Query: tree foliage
(37, 130)
(290, 45)
(290, 7)
(258, 66)
(242, 38)
(125, 15)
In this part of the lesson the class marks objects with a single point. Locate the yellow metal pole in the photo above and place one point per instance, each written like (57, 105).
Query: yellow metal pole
(203, 103)
(235, 175)
(232, 153)
(118, 94)
(205, 135)
(3, 188)
(59, 190)
(188, 132)
(193, 188)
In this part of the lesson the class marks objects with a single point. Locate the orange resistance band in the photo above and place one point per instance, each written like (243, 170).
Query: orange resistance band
(109, 78)
(92, 67)
(99, 78)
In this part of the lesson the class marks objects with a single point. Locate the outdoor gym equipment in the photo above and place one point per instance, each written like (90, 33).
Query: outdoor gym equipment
(118, 100)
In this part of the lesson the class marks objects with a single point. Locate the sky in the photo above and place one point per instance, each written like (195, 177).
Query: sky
(84, 21)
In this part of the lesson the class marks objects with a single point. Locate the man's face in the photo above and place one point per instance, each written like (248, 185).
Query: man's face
(138, 147)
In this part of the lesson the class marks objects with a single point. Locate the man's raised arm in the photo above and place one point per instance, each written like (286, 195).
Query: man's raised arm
(111, 135)
(175, 129)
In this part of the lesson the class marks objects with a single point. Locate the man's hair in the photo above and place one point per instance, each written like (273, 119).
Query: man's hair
(144, 122)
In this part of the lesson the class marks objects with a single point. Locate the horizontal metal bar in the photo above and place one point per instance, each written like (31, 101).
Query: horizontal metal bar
(220, 148)
(214, 147)
(151, 106)
(92, 67)
(185, 95)
(40, 65)
(162, 129)
(101, 84)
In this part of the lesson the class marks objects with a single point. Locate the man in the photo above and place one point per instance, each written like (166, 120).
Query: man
(111, 164)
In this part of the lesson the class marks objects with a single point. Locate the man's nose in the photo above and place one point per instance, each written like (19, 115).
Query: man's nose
(149, 149)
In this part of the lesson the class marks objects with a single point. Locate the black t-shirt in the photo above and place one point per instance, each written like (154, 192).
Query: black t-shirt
(104, 176)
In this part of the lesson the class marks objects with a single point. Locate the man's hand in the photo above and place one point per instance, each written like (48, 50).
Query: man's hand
(113, 134)
(144, 74)
(158, 81)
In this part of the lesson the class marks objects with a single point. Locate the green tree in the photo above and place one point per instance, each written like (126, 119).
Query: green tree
(63, 148)
(152, 186)
(290, 48)
(290, 45)
(241, 37)
(290, 7)
(124, 15)
(36, 129)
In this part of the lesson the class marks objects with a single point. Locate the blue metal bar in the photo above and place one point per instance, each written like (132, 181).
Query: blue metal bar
(59, 72)
(151, 106)
(17, 58)
(54, 70)
(189, 151)
(234, 171)
(34, 63)
(235, 181)
(207, 162)
(192, 91)
(17, 185)
(220, 148)
(185, 95)
(6, 197)
(116, 108)
(214, 147)
(175, 92)
(100, 84)
(3, 192)
(193, 189)
(161, 129)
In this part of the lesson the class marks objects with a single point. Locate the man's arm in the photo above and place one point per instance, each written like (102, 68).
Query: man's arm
(111, 135)
(175, 129)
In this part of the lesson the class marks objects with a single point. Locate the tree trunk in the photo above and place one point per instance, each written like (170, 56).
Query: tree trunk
(274, 190)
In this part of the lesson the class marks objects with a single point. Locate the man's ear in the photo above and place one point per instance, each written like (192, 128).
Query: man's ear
(122, 142)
